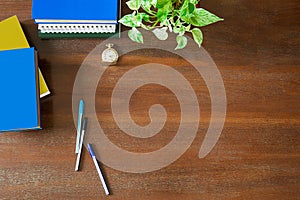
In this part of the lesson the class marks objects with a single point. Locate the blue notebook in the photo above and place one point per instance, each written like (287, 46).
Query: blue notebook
(19, 90)
(102, 10)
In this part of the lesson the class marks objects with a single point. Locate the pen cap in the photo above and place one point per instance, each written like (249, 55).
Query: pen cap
(81, 107)
(92, 153)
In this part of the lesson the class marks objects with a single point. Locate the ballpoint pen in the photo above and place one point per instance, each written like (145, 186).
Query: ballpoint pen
(84, 125)
(93, 156)
(79, 124)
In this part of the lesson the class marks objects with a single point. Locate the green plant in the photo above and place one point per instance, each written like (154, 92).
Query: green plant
(160, 16)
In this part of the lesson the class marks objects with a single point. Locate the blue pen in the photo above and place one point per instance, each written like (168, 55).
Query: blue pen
(79, 124)
(93, 156)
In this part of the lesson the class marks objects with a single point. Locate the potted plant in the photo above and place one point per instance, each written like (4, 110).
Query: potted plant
(161, 16)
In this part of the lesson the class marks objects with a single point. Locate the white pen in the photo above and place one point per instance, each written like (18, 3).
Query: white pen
(84, 125)
(93, 156)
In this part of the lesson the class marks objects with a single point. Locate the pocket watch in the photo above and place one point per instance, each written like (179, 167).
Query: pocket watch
(110, 55)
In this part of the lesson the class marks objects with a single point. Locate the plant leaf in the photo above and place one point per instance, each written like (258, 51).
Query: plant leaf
(186, 11)
(198, 36)
(146, 5)
(191, 7)
(138, 19)
(181, 42)
(135, 35)
(179, 28)
(202, 17)
(161, 33)
(133, 20)
(163, 3)
(128, 20)
(162, 15)
(145, 17)
(134, 4)
(153, 2)
(163, 10)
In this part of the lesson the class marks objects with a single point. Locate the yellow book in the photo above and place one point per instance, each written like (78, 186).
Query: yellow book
(13, 37)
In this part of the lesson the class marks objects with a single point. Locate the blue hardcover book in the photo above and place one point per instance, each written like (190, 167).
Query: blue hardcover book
(105, 11)
(19, 101)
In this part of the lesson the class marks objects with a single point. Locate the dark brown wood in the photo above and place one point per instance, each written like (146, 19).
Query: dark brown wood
(257, 51)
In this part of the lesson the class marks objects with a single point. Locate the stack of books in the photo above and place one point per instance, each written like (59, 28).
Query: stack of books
(21, 82)
(13, 37)
(76, 18)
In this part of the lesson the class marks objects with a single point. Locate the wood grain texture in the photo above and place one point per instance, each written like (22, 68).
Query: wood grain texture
(257, 51)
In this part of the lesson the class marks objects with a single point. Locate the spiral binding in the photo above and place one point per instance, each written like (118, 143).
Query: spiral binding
(77, 28)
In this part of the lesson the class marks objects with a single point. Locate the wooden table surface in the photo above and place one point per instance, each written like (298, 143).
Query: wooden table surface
(256, 50)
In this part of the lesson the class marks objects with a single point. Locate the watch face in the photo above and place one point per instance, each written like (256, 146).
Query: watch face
(109, 55)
